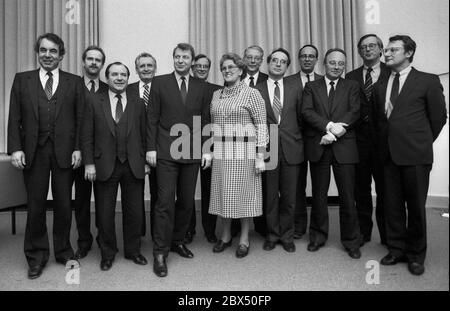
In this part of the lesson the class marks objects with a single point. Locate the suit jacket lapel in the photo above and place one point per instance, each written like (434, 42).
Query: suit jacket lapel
(60, 91)
(131, 103)
(192, 89)
(324, 96)
(382, 99)
(338, 94)
(269, 109)
(106, 106)
(287, 95)
(34, 85)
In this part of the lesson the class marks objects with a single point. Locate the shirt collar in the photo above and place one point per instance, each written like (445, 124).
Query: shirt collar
(374, 67)
(113, 95)
(142, 84)
(272, 82)
(303, 74)
(87, 81)
(403, 72)
(43, 72)
(328, 81)
(178, 76)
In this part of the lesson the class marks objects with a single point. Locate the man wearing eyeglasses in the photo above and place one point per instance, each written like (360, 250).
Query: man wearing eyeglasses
(410, 114)
(283, 106)
(200, 69)
(253, 57)
(307, 56)
(331, 108)
(370, 48)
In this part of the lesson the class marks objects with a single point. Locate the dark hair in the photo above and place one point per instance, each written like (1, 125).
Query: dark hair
(331, 51)
(115, 63)
(144, 54)
(408, 44)
(282, 51)
(197, 57)
(236, 59)
(184, 47)
(308, 45)
(51, 37)
(94, 48)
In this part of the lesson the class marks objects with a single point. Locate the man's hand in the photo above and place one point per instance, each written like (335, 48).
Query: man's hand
(147, 169)
(18, 160)
(327, 139)
(76, 159)
(150, 157)
(89, 172)
(206, 160)
(338, 129)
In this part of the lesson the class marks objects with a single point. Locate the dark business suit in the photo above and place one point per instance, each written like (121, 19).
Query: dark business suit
(341, 154)
(406, 151)
(301, 213)
(280, 182)
(83, 192)
(134, 89)
(261, 77)
(118, 152)
(45, 152)
(208, 220)
(369, 165)
(176, 173)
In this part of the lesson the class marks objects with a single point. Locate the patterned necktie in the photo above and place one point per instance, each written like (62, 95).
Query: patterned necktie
(146, 95)
(183, 89)
(92, 89)
(331, 95)
(277, 102)
(252, 82)
(119, 108)
(368, 85)
(49, 85)
(394, 95)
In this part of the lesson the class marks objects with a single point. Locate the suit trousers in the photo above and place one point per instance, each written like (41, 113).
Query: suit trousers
(153, 197)
(132, 217)
(301, 213)
(280, 192)
(172, 220)
(369, 166)
(406, 230)
(344, 175)
(82, 205)
(36, 245)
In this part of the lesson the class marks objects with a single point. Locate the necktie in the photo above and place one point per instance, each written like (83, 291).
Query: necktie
(394, 94)
(146, 95)
(92, 89)
(331, 95)
(49, 85)
(307, 77)
(252, 82)
(368, 85)
(119, 108)
(183, 89)
(277, 102)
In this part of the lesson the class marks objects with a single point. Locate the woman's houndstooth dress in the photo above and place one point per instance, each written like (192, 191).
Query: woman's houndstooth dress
(238, 115)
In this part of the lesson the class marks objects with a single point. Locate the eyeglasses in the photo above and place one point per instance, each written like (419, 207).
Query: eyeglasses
(200, 66)
(371, 46)
(392, 50)
(305, 56)
(276, 60)
(333, 63)
(228, 68)
(251, 58)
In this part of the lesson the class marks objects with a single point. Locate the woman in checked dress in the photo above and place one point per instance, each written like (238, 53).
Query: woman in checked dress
(240, 135)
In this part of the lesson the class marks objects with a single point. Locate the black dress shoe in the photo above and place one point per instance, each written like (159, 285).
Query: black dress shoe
(289, 247)
(221, 245)
(242, 251)
(137, 259)
(211, 239)
(313, 247)
(189, 237)
(354, 253)
(182, 250)
(390, 260)
(160, 266)
(106, 264)
(81, 253)
(416, 268)
(269, 245)
(297, 235)
(64, 261)
(35, 271)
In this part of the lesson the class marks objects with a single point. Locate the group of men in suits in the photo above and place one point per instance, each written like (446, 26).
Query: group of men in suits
(380, 121)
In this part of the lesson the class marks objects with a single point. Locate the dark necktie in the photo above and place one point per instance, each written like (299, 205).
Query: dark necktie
(146, 95)
(119, 108)
(331, 95)
(252, 82)
(277, 102)
(307, 77)
(183, 89)
(92, 89)
(49, 85)
(368, 85)
(394, 94)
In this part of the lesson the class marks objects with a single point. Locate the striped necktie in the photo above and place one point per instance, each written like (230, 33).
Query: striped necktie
(368, 85)
(277, 102)
(146, 95)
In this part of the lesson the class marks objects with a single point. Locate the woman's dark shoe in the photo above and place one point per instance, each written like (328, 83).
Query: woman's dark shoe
(242, 251)
(221, 245)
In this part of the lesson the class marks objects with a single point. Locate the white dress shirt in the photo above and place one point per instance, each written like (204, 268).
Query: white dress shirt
(43, 76)
(87, 83)
(113, 101)
(255, 78)
(403, 75)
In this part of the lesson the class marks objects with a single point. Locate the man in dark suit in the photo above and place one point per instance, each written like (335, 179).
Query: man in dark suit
(307, 56)
(370, 49)
(331, 107)
(113, 141)
(46, 108)
(178, 105)
(145, 65)
(253, 57)
(283, 107)
(200, 70)
(93, 61)
(410, 113)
